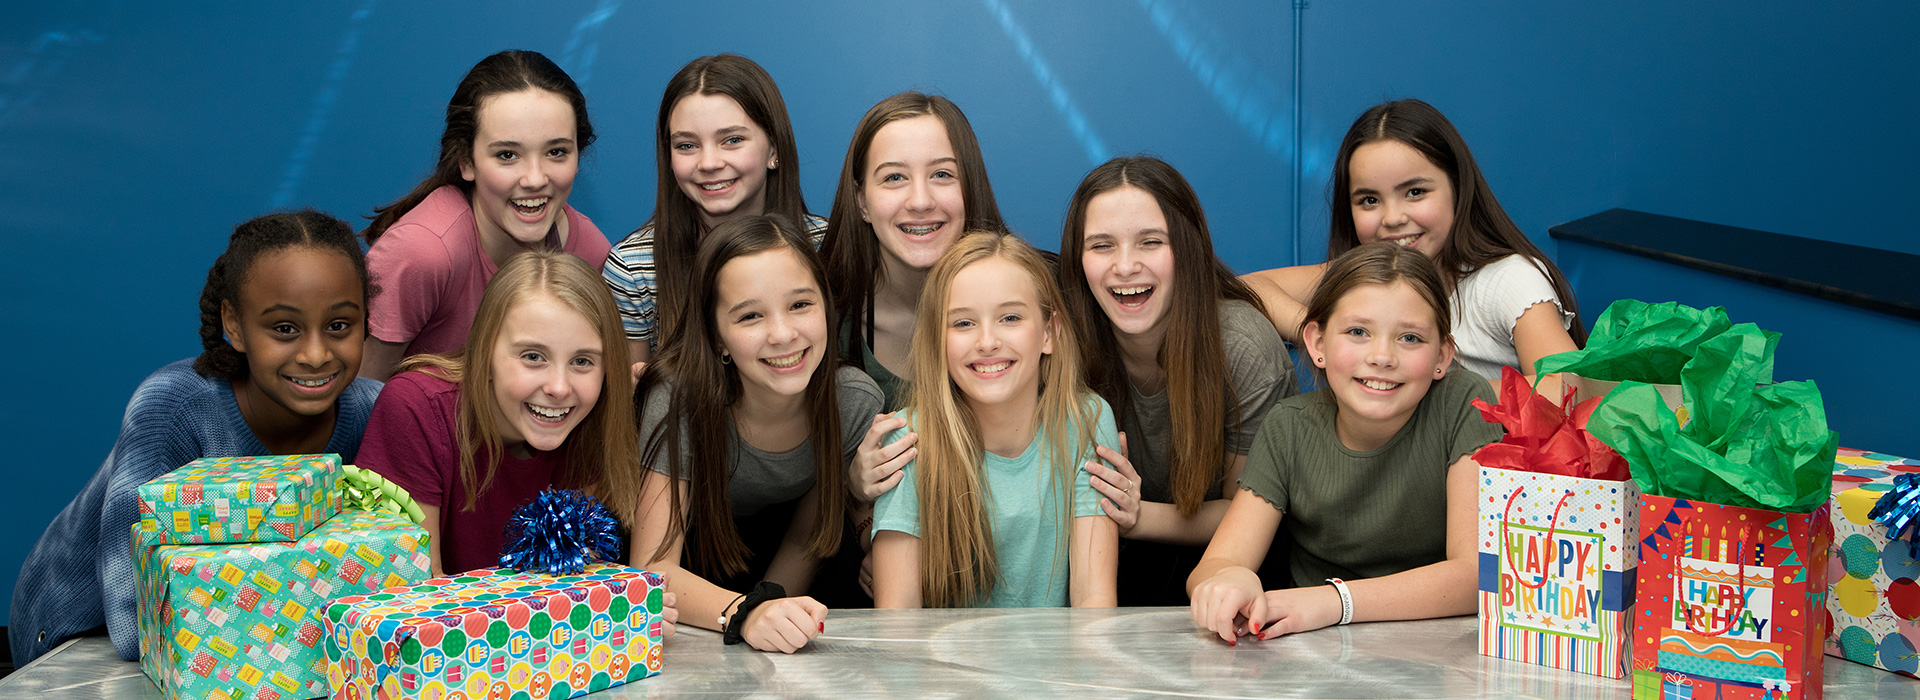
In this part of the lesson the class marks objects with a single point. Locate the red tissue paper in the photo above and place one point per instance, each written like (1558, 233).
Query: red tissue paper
(1546, 438)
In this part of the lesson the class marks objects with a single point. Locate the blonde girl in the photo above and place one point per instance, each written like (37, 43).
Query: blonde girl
(994, 512)
(1371, 472)
(538, 398)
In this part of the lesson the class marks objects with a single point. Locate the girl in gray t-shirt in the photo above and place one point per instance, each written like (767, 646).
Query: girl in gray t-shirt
(746, 407)
(1370, 472)
(1182, 351)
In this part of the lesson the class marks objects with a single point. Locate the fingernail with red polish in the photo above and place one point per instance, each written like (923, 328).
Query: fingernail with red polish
(1232, 643)
(823, 626)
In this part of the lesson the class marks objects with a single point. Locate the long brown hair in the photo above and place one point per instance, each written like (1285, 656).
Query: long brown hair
(1200, 395)
(958, 565)
(676, 222)
(501, 73)
(601, 454)
(703, 388)
(1382, 263)
(1482, 232)
(851, 251)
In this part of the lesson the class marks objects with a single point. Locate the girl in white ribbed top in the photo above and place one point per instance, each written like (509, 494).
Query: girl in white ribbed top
(1407, 177)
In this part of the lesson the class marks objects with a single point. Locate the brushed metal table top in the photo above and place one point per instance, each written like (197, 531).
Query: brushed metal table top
(1044, 652)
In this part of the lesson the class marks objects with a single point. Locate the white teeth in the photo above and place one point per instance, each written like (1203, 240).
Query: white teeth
(1130, 291)
(549, 413)
(1406, 242)
(715, 187)
(990, 369)
(1379, 385)
(534, 203)
(312, 383)
(920, 230)
(784, 361)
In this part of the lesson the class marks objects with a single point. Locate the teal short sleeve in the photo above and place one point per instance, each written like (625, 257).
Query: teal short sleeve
(899, 508)
(1086, 500)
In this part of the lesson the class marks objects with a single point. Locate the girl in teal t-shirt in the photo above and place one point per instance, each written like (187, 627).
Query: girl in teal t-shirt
(991, 512)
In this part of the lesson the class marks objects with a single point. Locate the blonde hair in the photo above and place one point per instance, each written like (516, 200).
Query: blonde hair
(602, 452)
(958, 565)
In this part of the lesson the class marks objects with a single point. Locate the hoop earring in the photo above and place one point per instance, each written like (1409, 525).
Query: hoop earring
(726, 359)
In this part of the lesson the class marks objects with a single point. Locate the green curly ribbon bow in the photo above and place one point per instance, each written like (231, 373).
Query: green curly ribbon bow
(361, 489)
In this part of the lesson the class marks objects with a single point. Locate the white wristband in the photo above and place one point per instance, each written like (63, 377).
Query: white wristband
(1346, 600)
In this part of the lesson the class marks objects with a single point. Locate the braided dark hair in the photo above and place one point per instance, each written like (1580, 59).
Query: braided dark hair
(251, 240)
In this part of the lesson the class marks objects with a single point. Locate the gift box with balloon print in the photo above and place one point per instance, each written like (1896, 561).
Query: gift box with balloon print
(246, 620)
(1872, 593)
(275, 498)
(498, 633)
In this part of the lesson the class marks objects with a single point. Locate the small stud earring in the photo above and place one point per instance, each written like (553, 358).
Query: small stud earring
(773, 162)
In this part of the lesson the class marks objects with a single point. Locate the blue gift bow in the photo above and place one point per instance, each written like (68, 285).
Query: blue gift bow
(1899, 510)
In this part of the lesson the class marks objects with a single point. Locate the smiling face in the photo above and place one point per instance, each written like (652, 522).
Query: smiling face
(548, 367)
(1381, 350)
(996, 335)
(1398, 195)
(720, 156)
(301, 321)
(525, 156)
(770, 321)
(912, 194)
(1128, 260)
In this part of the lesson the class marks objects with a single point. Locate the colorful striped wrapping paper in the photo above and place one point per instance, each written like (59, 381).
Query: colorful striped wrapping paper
(498, 634)
(275, 498)
(240, 621)
(1556, 570)
(1872, 598)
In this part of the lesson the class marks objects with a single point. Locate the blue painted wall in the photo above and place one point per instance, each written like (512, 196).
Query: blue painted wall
(138, 136)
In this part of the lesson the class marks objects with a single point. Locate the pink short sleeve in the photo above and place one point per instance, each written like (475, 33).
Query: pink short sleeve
(413, 269)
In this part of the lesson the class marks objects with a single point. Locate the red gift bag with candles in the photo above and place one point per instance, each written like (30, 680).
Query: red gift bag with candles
(1726, 605)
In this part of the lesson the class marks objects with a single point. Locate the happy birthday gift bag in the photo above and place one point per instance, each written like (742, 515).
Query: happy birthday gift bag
(1557, 559)
(1731, 601)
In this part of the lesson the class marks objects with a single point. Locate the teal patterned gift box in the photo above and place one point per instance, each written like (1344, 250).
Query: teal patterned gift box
(275, 498)
(233, 621)
(498, 634)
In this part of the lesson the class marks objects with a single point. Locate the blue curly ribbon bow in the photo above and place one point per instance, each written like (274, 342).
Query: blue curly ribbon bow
(1899, 510)
(560, 532)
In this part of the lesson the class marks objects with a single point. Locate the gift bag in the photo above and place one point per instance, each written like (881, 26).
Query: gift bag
(1557, 559)
(1726, 606)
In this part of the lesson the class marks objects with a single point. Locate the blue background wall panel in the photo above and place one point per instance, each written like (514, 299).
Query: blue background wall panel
(138, 135)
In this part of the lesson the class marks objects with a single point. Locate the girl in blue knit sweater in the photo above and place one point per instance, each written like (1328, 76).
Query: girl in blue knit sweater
(282, 321)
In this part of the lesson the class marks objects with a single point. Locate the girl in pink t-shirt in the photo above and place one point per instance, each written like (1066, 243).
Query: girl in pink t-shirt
(516, 128)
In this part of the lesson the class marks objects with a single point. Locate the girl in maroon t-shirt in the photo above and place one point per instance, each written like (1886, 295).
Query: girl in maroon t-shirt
(474, 435)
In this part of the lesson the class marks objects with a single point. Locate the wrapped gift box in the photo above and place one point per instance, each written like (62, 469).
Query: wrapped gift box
(240, 499)
(498, 633)
(1873, 598)
(246, 620)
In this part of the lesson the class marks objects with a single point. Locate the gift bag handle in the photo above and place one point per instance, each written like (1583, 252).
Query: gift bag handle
(1740, 602)
(1551, 526)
